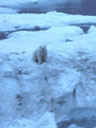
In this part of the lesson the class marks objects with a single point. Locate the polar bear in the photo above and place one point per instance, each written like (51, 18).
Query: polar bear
(40, 55)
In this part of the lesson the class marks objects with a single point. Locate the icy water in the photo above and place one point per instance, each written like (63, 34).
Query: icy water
(81, 123)
(82, 117)
(5, 34)
(83, 7)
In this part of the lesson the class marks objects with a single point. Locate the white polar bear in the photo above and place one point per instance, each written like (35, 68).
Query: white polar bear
(40, 55)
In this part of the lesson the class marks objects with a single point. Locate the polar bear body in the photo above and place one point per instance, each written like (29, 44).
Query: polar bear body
(40, 55)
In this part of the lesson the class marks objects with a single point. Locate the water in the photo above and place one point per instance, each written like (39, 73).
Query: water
(82, 123)
(83, 7)
(83, 117)
(5, 34)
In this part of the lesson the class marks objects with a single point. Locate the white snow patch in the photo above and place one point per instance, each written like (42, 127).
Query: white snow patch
(51, 19)
(74, 126)
(92, 29)
(47, 120)
(67, 82)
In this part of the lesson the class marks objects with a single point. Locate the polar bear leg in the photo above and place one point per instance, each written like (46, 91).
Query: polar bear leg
(39, 58)
(35, 56)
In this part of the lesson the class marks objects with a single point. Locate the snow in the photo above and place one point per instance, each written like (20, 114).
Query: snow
(34, 95)
(29, 39)
(51, 19)
(47, 120)
(74, 126)
(92, 29)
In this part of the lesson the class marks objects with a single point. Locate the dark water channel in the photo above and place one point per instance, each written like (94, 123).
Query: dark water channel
(85, 123)
(83, 117)
(83, 7)
(5, 35)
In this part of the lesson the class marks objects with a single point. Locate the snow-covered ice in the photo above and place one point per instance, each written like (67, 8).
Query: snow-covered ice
(34, 95)
(74, 126)
(47, 120)
(51, 19)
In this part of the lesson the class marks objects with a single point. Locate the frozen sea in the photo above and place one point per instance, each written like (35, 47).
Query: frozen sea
(60, 93)
(83, 7)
